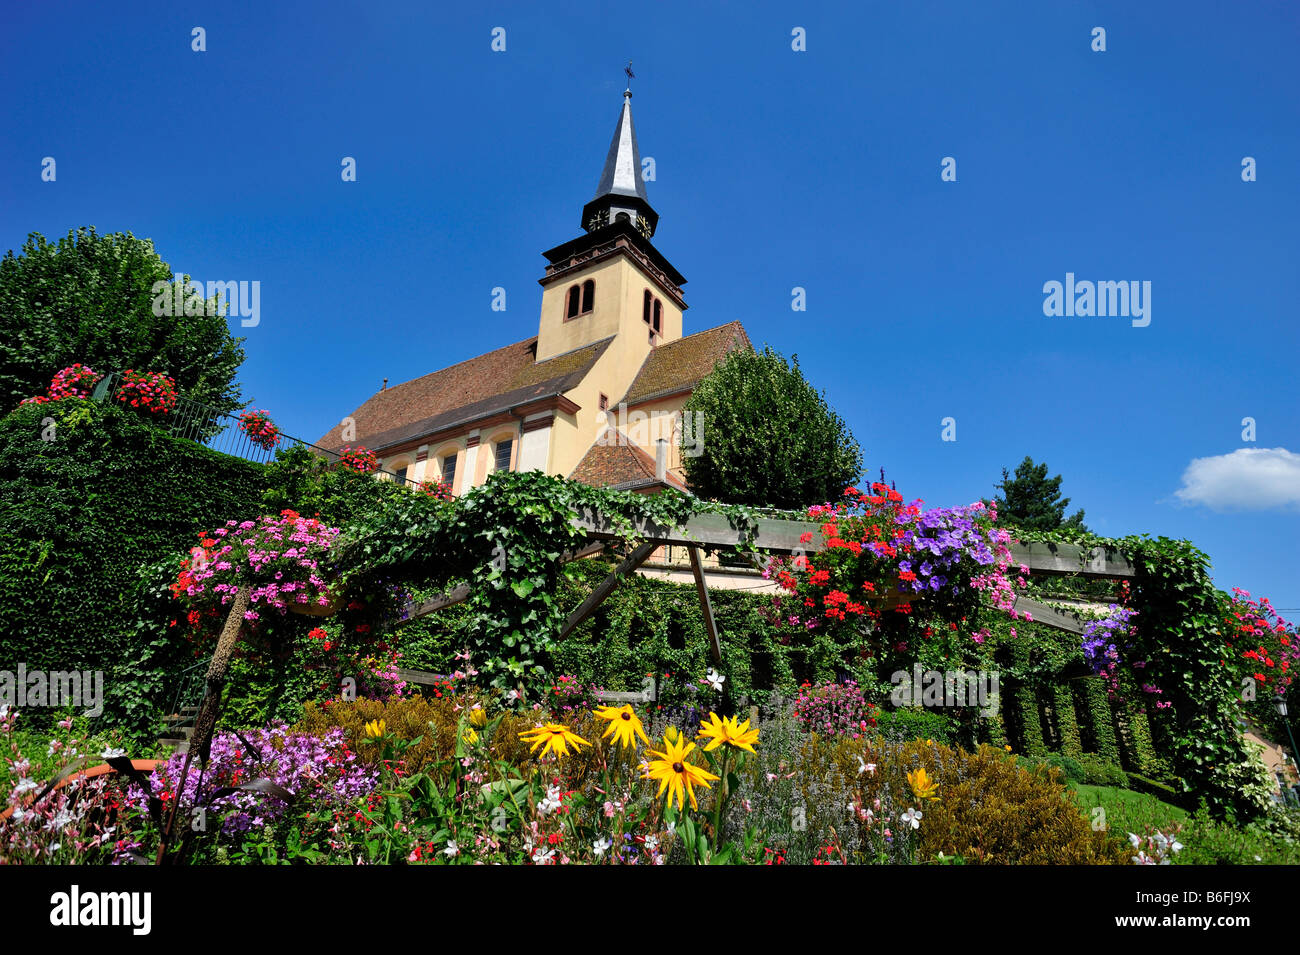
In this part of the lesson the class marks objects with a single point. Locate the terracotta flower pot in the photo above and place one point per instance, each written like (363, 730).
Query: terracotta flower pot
(103, 769)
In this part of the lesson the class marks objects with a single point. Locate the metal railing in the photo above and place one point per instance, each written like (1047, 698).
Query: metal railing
(219, 431)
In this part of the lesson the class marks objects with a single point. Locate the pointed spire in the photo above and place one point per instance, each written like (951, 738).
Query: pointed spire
(622, 173)
(620, 194)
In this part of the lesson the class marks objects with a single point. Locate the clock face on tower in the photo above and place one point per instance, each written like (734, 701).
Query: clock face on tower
(643, 226)
(596, 221)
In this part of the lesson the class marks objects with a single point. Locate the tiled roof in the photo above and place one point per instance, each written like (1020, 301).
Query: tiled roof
(614, 461)
(679, 365)
(474, 388)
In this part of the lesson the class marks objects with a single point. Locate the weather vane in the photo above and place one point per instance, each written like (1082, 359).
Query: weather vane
(630, 75)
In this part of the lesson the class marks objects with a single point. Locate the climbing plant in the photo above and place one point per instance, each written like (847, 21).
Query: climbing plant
(504, 539)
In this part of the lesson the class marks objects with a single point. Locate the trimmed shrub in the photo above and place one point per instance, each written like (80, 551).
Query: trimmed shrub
(907, 723)
(1101, 772)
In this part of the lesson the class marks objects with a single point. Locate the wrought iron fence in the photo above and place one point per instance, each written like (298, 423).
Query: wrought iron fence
(203, 424)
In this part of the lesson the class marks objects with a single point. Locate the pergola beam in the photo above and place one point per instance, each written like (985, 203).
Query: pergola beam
(706, 606)
(606, 586)
(785, 536)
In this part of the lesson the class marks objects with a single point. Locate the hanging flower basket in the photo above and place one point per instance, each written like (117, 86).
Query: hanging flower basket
(261, 430)
(277, 557)
(314, 608)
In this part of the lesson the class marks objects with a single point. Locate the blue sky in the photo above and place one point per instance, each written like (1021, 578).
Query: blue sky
(774, 169)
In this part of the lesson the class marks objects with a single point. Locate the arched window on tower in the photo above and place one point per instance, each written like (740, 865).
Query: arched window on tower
(645, 307)
(571, 309)
(588, 295)
(656, 323)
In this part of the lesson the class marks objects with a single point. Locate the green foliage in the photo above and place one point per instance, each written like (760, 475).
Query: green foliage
(88, 298)
(308, 484)
(1099, 723)
(769, 437)
(1208, 840)
(85, 515)
(911, 723)
(504, 539)
(1033, 501)
(1101, 772)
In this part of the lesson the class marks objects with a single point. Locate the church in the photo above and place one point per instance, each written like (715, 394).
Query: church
(596, 395)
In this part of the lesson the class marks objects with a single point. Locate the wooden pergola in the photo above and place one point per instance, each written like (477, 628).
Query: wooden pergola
(780, 536)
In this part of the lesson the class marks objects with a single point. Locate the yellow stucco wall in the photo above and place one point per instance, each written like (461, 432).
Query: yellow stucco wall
(620, 287)
(617, 310)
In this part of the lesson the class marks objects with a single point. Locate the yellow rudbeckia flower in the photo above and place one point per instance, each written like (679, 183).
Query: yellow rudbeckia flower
(624, 725)
(375, 728)
(675, 774)
(719, 731)
(478, 716)
(922, 785)
(469, 736)
(553, 738)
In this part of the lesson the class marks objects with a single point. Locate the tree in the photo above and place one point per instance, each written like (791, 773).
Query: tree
(766, 437)
(90, 299)
(1033, 501)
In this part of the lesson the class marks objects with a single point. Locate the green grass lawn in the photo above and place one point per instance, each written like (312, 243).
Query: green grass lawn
(1205, 841)
(1125, 810)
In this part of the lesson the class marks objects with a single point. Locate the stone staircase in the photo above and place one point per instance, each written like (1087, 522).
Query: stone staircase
(179, 729)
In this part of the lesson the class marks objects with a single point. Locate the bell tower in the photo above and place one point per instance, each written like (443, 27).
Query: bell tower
(611, 280)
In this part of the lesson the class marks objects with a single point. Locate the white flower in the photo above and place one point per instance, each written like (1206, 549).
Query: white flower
(25, 785)
(1133, 838)
(601, 846)
(551, 802)
(543, 856)
(651, 843)
(715, 680)
(111, 753)
(452, 849)
(865, 767)
(912, 818)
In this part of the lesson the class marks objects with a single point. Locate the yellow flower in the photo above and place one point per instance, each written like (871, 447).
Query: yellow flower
(470, 737)
(553, 737)
(675, 774)
(375, 729)
(720, 731)
(624, 725)
(478, 716)
(1007, 748)
(671, 734)
(923, 787)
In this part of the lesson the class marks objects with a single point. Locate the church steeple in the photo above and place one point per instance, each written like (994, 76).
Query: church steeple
(621, 195)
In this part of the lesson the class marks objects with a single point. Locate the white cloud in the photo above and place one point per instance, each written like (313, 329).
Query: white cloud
(1248, 479)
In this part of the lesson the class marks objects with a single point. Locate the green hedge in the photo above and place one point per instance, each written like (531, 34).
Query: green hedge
(84, 512)
(647, 625)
